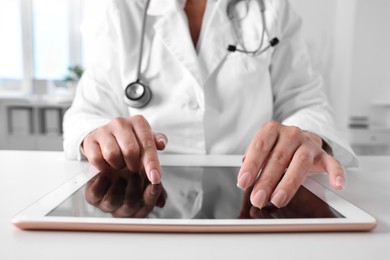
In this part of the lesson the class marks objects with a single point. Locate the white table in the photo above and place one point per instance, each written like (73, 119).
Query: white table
(27, 176)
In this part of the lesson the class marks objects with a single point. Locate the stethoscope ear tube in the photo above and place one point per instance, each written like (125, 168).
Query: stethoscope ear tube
(260, 49)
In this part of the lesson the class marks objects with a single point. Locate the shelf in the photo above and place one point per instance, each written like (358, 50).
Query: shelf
(31, 123)
(380, 136)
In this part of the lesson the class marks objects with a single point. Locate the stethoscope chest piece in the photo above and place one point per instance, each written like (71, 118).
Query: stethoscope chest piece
(137, 95)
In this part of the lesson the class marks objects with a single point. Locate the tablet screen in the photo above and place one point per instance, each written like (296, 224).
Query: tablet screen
(184, 193)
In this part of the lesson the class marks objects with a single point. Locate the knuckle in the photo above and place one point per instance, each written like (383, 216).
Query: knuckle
(271, 126)
(292, 184)
(261, 146)
(294, 133)
(131, 150)
(98, 132)
(305, 158)
(268, 182)
(92, 197)
(89, 138)
(280, 157)
(111, 155)
(338, 171)
(95, 158)
(139, 119)
(252, 165)
(148, 144)
(319, 158)
(106, 206)
(117, 122)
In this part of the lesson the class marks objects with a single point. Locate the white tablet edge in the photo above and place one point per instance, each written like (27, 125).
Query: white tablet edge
(34, 216)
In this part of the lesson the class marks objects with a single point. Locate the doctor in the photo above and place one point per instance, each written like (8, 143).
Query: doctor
(260, 99)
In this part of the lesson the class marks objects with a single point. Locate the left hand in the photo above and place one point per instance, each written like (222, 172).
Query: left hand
(284, 155)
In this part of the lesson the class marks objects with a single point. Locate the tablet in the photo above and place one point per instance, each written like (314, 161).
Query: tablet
(197, 194)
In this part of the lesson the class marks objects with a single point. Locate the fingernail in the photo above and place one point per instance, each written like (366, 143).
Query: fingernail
(340, 182)
(154, 177)
(279, 199)
(259, 199)
(162, 140)
(244, 180)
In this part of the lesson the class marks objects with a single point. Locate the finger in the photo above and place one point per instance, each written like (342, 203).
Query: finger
(111, 152)
(161, 141)
(129, 148)
(113, 199)
(151, 194)
(256, 213)
(133, 198)
(335, 171)
(131, 204)
(275, 166)
(162, 199)
(148, 149)
(126, 210)
(94, 155)
(256, 154)
(296, 173)
(245, 205)
(96, 190)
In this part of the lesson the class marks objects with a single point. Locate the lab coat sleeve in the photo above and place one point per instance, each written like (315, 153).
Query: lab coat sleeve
(299, 99)
(96, 101)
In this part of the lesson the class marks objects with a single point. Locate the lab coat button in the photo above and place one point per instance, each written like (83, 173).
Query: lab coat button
(192, 195)
(193, 105)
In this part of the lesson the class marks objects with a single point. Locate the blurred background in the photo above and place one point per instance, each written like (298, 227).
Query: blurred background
(43, 53)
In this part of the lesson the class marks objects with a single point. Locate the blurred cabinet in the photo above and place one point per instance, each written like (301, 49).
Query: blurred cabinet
(31, 123)
(370, 141)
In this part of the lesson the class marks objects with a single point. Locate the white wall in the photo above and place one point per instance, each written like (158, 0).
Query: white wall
(329, 31)
(371, 60)
(349, 41)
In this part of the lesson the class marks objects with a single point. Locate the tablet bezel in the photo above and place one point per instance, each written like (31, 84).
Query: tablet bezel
(35, 216)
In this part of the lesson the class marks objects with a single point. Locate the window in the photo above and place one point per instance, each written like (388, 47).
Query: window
(50, 38)
(92, 11)
(11, 61)
(39, 41)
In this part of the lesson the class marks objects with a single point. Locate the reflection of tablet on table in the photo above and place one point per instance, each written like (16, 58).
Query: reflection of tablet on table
(197, 194)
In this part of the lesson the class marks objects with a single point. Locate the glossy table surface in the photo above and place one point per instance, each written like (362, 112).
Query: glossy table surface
(27, 176)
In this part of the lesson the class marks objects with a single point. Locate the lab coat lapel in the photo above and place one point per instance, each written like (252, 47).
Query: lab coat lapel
(172, 27)
(218, 35)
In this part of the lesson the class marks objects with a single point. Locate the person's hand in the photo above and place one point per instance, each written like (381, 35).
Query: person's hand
(126, 142)
(124, 194)
(303, 204)
(284, 155)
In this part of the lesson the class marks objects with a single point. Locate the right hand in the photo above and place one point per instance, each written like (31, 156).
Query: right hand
(126, 142)
(124, 194)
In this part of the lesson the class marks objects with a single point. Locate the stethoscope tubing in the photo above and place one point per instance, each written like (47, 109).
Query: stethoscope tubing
(141, 45)
(144, 99)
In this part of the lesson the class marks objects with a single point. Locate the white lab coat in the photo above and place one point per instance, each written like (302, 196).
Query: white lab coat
(206, 100)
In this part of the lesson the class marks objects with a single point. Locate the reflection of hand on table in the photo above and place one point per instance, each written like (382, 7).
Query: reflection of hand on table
(304, 204)
(124, 194)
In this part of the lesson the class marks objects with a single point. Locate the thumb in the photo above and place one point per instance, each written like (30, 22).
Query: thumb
(161, 140)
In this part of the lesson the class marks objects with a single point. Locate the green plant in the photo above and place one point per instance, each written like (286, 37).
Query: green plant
(75, 73)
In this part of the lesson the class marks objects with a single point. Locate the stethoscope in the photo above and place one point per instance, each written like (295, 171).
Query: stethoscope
(234, 18)
(138, 95)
